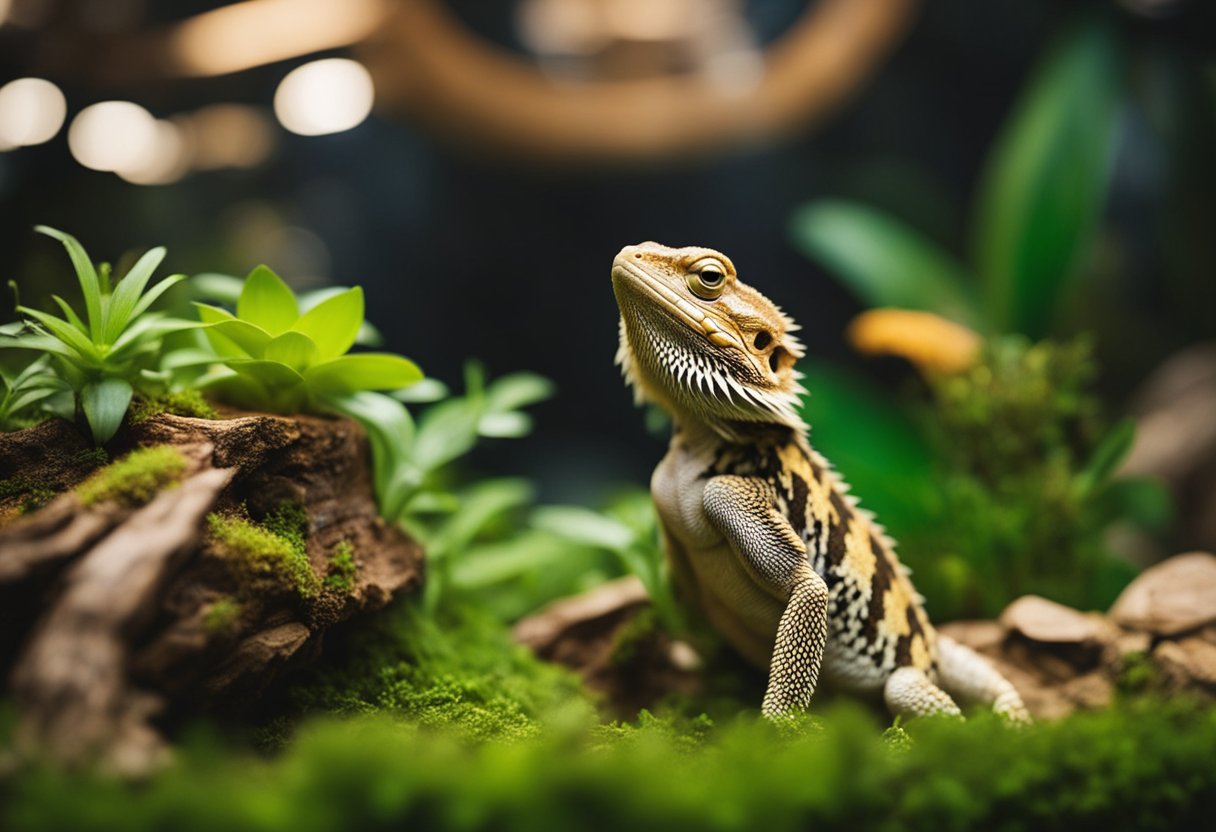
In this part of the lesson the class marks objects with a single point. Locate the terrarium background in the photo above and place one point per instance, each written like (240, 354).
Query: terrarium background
(470, 255)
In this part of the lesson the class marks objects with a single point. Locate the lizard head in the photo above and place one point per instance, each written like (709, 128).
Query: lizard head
(702, 344)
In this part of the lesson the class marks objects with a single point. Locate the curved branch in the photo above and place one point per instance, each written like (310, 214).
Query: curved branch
(428, 67)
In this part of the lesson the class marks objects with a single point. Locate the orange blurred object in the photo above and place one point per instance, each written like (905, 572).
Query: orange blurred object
(929, 341)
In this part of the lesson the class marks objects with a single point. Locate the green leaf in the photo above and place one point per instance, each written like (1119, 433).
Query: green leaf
(128, 291)
(267, 302)
(424, 391)
(479, 505)
(883, 261)
(517, 390)
(584, 526)
(273, 374)
(70, 314)
(216, 287)
(147, 329)
(446, 431)
(105, 404)
(334, 323)
(1045, 183)
(294, 349)
(362, 371)
(42, 343)
(236, 338)
(90, 286)
(1111, 451)
(509, 425)
(155, 292)
(65, 332)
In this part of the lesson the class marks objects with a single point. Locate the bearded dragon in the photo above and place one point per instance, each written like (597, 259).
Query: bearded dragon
(760, 532)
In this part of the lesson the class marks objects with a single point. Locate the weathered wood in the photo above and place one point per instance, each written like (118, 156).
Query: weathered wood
(110, 610)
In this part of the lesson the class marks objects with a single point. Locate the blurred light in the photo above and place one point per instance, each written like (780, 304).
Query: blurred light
(326, 96)
(256, 32)
(229, 136)
(167, 160)
(31, 112)
(112, 136)
(27, 14)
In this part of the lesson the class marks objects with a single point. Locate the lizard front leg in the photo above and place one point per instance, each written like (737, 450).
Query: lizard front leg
(743, 511)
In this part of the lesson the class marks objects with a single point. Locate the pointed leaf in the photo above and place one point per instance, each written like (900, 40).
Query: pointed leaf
(65, 332)
(128, 291)
(1042, 192)
(43, 343)
(1111, 451)
(90, 286)
(294, 349)
(70, 314)
(154, 293)
(362, 371)
(147, 329)
(105, 404)
(266, 301)
(334, 323)
(882, 260)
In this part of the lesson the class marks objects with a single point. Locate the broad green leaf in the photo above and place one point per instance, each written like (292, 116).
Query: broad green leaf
(581, 525)
(247, 339)
(70, 314)
(155, 292)
(1111, 451)
(65, 332)
(882, 260)
(362, 371)
(294, 349)
(334, 323)
(128, 291)
(188, 357)
(219, 288)
(517, 390)
(272, 374)
(29, 397)
(105, 404)
(90, 285)
(1045, 183)
(266, 301)
(369, 335)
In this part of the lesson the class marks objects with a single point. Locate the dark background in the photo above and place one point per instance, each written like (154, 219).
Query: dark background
(463, 256)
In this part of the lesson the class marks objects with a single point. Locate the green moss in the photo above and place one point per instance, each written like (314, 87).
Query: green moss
(91, 458)
(222, 617)
(290, 522)
(181, 403)
(136, 478)
(460, 674)
(261, 558)
(342, 569)
(1142, 765)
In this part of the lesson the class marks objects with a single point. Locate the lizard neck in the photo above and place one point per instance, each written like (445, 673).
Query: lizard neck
(698, 434)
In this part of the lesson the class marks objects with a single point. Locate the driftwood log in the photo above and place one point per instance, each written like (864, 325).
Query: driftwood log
(115, 616)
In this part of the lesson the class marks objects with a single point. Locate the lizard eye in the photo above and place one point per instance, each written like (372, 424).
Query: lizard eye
(707, 279)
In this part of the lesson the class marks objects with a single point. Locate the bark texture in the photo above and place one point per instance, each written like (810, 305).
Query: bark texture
(118, 614)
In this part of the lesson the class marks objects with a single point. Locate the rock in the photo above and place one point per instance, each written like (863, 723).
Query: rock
(1187, 662)
(1041, 620)
(1173, 597)
(981, 636)
(1093, 690)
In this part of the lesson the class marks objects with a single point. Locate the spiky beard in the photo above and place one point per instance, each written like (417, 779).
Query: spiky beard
(676, 375)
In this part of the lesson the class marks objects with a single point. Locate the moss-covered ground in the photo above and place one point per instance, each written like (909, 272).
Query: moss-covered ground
(136, 478)
(441, 723)
(266, 556)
